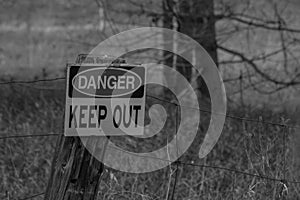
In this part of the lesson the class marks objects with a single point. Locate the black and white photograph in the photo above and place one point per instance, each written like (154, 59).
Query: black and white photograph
(149, 100)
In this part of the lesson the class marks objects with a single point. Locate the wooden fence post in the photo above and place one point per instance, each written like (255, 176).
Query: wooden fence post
(75, 173)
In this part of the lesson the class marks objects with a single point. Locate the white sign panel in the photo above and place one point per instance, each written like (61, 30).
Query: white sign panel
(103, 100)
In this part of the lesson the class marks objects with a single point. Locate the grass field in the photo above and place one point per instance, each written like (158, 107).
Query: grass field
(243, 165)
(250, 147)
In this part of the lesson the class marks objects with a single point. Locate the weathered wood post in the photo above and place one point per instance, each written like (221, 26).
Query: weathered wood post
(90, 114)
(75, 174)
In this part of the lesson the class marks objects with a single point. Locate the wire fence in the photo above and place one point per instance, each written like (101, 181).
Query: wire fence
(284, 181)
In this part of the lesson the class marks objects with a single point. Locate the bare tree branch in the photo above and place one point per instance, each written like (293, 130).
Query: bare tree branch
(256, 68)
(270, 25)
(255, 58)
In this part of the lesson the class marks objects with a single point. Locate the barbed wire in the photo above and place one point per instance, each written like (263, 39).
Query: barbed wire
(166, 160)
(227, 115)
(31, 81)
(28, 136)
(32, 196)
(209, 166)
(171, 102)
(283, 181)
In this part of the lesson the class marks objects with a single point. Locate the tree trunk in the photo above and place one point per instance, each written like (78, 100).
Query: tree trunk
(195, 18)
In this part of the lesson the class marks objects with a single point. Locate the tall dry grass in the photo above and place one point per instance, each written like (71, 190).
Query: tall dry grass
(250, 147)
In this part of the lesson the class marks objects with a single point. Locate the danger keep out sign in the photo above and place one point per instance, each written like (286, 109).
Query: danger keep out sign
(103, 100)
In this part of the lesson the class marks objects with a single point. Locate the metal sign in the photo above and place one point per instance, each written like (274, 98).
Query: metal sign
(105, 100)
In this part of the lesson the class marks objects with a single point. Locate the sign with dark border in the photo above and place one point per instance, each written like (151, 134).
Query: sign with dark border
(102, 100)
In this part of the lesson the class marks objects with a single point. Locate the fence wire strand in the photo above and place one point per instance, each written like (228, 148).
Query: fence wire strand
(32, 196)
(32, 81)
(29, 136)
(167, 101)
